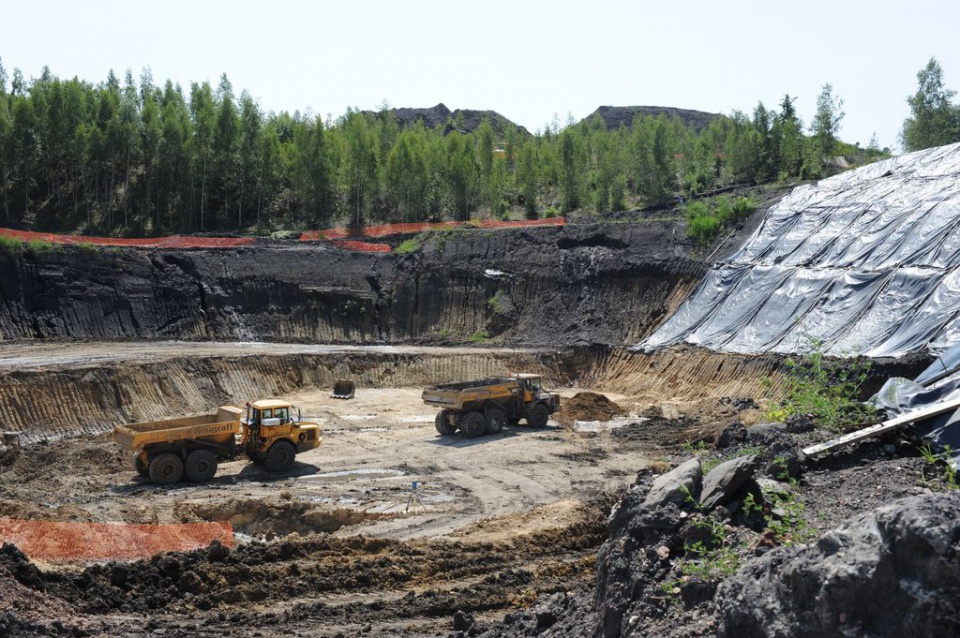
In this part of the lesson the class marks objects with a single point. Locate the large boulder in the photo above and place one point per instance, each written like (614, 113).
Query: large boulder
(892, 572)
(676, 486)
(724, 481)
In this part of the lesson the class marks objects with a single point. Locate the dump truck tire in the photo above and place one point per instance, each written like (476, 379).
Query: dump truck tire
(442, 423)
(473, 424)
(281, 456)
(538, 416)
(200, 467)
(495, 420)
(166, 469)
(143, 469)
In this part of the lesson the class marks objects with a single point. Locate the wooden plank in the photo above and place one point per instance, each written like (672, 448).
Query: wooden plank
(890, 425)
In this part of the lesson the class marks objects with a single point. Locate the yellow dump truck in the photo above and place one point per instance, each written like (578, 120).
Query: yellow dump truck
(266, 431)
(485, 406)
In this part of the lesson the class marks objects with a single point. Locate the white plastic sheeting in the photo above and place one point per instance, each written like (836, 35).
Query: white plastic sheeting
(867, 261)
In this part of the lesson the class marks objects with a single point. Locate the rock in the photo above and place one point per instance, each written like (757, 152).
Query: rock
(780, 458)
(723, 481)
(462, 621)
(734, 434)
(891, 572)
(677, 485)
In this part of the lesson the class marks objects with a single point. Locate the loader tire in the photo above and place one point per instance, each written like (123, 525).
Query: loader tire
(496, 418)
(166, 469)
(200, 467)
(473, 424)
(281, 456)
(538, 416)
(442, 423)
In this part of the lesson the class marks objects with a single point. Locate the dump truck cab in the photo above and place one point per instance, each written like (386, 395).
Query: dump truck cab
(274, 432)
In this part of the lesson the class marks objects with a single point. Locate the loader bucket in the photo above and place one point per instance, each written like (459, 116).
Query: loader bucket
(343, 389)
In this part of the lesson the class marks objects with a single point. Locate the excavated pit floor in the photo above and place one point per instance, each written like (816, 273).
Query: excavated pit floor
(496, 521)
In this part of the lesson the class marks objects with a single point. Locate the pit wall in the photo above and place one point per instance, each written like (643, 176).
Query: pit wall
(560, 286)
(51, 404)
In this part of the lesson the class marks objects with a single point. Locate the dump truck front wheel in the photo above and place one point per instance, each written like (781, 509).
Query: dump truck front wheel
(473, 424)
(201, 465)
(281, 456)
(442, 422)
(166, 469)
(538, 416)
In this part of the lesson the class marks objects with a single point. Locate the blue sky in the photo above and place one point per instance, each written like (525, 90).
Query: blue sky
(529, 61)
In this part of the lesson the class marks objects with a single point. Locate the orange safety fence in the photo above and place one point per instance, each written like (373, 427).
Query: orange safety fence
(418, 227)
(173, 241)
(71, 541)
(361, 246)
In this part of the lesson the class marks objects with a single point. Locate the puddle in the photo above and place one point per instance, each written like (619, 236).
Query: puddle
(612, 424)
(358, 417)
(365, 474)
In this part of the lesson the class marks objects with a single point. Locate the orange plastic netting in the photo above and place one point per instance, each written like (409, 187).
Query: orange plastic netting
(173, 241)
(341, 237)
(59, 541)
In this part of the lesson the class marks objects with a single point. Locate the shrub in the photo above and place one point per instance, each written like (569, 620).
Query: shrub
(407, 246)
(827, 391)
(704, 229)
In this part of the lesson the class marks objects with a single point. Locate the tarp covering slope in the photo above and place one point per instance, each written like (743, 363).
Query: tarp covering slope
(867, 261)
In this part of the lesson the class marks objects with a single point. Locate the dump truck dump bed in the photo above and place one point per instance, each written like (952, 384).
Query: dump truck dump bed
(219, 427)
(457, 395)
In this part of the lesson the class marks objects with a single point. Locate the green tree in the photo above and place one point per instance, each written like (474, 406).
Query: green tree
(203, 115)
(826, 124)
(251, 134)
(360, 164)
(571, 169)
(527, 176)
(407, 175)
(934, 120)
(791, 141)
(462, 174)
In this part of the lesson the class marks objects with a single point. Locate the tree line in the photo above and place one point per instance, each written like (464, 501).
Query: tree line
(133, 158)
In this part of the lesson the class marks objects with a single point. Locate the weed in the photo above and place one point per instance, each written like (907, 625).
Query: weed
(498, 303)
(480, 336)
(935, 460)
(11, 244)
(40, 246)
(829, 393)
(784, 515)
(407, 246)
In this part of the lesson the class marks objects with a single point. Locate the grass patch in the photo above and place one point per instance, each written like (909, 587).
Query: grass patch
(407, 246)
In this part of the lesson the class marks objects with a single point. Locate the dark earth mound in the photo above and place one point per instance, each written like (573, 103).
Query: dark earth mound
(616, 116)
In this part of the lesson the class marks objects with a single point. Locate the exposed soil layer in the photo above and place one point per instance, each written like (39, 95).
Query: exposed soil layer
(576, 284)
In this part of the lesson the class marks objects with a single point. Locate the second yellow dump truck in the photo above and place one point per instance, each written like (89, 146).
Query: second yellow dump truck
(266, 431)
(485, 406)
